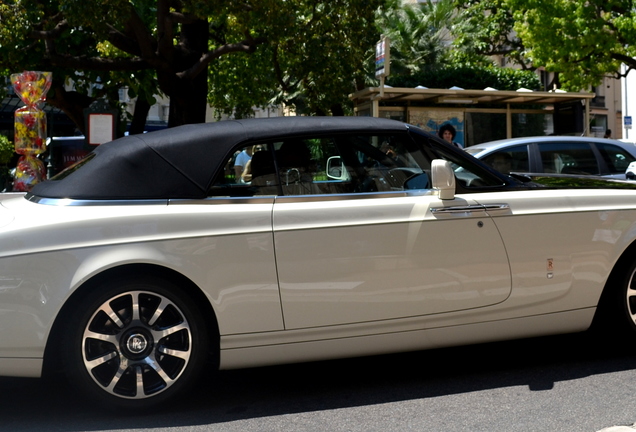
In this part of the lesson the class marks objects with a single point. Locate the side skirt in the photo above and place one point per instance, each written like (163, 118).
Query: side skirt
(242, 351)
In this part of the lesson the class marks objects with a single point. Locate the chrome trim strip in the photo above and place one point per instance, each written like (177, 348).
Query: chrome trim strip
(73, 202)
(265, 199)
(459, 209)
(224, 200)
(289, 198)
(495, 207)
(339, 197)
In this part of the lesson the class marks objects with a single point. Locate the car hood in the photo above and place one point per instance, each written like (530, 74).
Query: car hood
(6, 215)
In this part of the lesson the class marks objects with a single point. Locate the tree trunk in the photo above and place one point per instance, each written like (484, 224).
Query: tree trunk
(189, 94)
(72, 103)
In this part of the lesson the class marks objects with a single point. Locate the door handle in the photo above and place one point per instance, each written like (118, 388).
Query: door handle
(458, 209)
(470, 208)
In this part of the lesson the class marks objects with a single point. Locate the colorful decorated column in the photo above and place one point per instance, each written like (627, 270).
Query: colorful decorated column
(30, 128)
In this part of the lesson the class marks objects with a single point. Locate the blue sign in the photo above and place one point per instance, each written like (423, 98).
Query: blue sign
(627, 121)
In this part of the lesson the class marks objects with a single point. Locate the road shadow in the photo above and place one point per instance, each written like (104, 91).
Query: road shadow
(228, 396)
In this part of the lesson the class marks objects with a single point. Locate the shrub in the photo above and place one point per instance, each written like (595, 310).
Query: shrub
(6, 150)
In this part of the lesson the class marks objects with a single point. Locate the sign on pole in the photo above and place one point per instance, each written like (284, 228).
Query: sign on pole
(383, 58)
(627, 121)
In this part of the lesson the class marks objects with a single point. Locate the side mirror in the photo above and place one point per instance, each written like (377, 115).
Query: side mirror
(336, 169)
(443, 178)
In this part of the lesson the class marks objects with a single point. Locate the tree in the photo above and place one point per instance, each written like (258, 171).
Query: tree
(581, 40)
(419, 33)
(312, 66)
(167, 46)
(486, 28)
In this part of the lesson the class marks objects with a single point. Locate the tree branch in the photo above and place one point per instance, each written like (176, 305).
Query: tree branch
(247, 46)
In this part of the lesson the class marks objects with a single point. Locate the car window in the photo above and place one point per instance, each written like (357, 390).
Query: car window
(616, 158)
(568, 158)
(512, 159)
(340, 164)
(248, 171)
(470, 174)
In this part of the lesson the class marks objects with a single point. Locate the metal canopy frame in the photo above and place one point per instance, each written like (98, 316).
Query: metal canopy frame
(373, 97)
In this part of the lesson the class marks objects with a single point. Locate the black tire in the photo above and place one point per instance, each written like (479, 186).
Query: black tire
(627, 300)
(615, 319)
(135, 343)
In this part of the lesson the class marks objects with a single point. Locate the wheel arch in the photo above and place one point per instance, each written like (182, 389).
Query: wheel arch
(605, 311)
(51, 361)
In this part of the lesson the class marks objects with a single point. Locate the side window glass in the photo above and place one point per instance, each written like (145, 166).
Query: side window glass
(382, 163)
(347, 164)
(300, 166)
(249, 171)
(616, 158)
(568, 158)
(513, 159)
(468, 173)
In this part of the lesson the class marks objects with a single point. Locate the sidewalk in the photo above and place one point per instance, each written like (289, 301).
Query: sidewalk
(619, 429)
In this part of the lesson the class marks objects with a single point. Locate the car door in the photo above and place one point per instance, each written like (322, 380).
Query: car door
(361, 247)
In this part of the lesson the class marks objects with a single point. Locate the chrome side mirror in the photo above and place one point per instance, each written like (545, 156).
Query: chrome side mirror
(443, 178)
(336, 169)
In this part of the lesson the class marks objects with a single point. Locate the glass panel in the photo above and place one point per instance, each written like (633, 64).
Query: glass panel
(616, 158)
(525, 125)
(249, 171)
(568, 158)
(347, 164)
(484, 127)
(513, 159)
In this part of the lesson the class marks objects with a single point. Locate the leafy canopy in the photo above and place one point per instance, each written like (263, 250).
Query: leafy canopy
(248, 53)
(581, 40)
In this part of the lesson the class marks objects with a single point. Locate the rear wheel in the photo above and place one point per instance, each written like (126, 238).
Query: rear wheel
(136, 343)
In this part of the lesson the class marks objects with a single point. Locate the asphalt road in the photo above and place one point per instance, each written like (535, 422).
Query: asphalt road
(563, 383)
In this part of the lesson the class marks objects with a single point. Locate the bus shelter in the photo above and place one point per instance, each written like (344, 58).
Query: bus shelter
(480, 115)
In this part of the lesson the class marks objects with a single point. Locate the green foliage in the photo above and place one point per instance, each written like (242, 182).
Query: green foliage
(418, 32)
(253, 53)
(310, 63)
(6, 150)
(469, 77)
(581, 40)
(486, 28)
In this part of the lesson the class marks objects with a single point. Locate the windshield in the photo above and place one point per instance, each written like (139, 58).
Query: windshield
(473, 150)
(71, 169)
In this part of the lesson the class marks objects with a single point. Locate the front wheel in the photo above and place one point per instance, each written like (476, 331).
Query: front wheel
(136, 343)
(629, 297)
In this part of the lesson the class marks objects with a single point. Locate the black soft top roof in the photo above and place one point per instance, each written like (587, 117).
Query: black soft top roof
(181, 162)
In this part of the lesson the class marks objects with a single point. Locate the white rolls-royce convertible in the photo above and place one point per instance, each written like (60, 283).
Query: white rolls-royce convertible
(265, 241)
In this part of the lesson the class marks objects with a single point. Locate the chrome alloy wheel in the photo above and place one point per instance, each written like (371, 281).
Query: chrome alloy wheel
(136, 344)
(630, 299)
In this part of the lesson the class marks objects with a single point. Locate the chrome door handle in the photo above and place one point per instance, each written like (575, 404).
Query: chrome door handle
(458, 209)
(470, 208)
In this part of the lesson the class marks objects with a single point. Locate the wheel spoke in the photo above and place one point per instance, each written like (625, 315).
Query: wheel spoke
(154, 364)
(162, 306)
(117, 376)
(92, 364)
(160, 334)
(88, 334)
(184, 355)
(139, 381)
(135, 306)
(108, 310)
